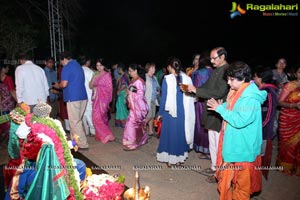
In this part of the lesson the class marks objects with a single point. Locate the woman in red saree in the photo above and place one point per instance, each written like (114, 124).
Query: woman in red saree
(289, 127)
(101, 84)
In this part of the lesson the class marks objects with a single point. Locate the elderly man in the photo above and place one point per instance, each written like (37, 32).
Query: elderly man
(216, 88)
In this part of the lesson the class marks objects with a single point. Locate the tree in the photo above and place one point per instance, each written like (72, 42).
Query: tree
(70, 11)
(16, 37)
(22, 21)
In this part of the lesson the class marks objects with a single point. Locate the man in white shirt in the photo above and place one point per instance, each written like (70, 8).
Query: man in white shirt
(31, 82)
(87, 116)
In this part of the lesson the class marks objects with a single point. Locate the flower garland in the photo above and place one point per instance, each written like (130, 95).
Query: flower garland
(63, 151)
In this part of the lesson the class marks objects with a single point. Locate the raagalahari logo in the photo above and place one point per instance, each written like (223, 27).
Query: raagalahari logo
(236, 10)
(265, 9)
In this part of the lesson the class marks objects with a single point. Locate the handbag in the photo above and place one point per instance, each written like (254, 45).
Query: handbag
(4, 118)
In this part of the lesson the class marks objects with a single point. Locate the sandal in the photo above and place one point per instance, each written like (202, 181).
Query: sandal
(127, 149)
(150, 134)
(204, 156)
(211, 179)
(179, 164)
(208, 171)
(169, 165)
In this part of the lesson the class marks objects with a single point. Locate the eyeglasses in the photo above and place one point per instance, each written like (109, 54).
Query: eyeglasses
(214, 58)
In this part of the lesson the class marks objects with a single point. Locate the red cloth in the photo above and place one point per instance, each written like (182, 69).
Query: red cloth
(288, 155)
(9, 83)
(158, 125)
(63, 113)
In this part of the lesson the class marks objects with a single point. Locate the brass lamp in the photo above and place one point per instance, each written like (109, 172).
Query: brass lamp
(137, 193)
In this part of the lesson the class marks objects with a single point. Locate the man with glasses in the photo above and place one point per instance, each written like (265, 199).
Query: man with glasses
(216, 87)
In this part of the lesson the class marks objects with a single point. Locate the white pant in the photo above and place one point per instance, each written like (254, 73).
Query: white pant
(87, 120)
(213, 138)
(67, 125)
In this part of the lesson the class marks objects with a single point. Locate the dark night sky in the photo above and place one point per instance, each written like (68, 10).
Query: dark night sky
(151, 30)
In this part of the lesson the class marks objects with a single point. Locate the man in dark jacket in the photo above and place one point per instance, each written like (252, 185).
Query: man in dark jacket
(216, 87)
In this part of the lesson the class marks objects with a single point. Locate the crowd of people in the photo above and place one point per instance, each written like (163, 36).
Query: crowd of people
(229, 113)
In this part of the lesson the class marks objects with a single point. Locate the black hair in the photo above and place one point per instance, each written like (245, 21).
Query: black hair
(65, 54)
(221, 51)
(83, 59)
(204, 62)
(140, 70)
(24, 56)
(175, 63)
(266, 75)
(239, 70)
(100, 60)
(294, 73)
(122, 66)
(194, 56)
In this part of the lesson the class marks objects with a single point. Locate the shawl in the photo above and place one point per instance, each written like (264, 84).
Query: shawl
(171, 103)
(189, 112)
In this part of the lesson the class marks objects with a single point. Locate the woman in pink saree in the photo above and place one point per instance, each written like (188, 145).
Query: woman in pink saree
(135, 129)
(101, 85)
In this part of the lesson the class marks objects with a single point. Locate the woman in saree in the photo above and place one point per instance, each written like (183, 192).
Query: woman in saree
(189, 70)
(263, 78)
(121, 107)
(199, 77)
(135, 134)
(101, 85)
(289, 127)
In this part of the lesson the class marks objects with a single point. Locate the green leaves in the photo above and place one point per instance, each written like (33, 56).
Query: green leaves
(121, 179)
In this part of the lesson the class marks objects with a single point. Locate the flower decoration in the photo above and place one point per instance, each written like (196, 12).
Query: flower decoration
(54, 130)
(25, 108)
(88, 172)
(32, 146)
(103, 187)
(18, 114)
